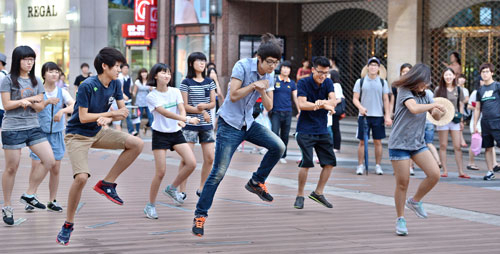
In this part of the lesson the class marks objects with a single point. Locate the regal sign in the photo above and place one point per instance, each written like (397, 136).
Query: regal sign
(133, 31)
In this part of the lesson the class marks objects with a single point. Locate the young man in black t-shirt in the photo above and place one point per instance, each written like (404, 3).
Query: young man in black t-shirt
(85, 74)
(488, 104)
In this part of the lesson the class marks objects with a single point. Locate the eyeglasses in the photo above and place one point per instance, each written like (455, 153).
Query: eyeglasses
(271, 62)
(321, 73)
(29, 60)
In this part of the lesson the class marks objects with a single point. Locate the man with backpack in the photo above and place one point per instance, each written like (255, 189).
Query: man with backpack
(488, 103)
(371, 97)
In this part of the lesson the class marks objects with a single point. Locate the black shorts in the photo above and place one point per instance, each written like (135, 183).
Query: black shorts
(490, 132)
(162, 140)
(375, 124)
(323, 145)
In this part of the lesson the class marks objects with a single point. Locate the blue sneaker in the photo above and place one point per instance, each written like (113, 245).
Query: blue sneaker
(109, 191)
(65, 234)
(401, 227)
(416, 207)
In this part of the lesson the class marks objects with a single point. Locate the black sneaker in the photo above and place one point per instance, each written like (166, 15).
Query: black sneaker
(320, 199)
(198, 193)
(54, 207)
(8, 215)
(299, 202)
(198, 224)
(489, 176)
(32, 201)
(496, 168)
(65, 234)
(109, 191)
(260, 189)
(29, 209)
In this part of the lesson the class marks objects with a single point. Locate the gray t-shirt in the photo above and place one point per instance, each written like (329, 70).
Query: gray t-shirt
(19, 119)
(371, 97)
(408, 129)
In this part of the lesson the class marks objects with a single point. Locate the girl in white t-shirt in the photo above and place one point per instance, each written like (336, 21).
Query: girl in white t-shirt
(167, 107)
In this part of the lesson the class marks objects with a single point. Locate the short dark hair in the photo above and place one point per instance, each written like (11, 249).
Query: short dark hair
(124, 64)
(108, 56)
(487, 65)
(210, 70)
(321, 61)
(403, 66)
(211, 63)
(48, 66)
(191, 59)
(19, 54)
(335, 76)
(286, 63)
(269, 47)
(159, 67)
(84, 65)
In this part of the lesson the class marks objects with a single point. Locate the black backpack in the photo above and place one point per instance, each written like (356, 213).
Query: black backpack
(361, 88)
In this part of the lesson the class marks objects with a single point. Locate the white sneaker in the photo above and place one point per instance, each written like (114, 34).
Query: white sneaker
(360, 170)
(412, 173)
(254, 150)
(378, 170)
(283, 161)
(263, 151)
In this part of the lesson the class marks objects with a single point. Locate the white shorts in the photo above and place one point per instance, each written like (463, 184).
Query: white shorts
(451, 126)
(471, 124)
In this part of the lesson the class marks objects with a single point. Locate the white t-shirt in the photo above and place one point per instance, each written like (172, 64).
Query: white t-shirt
(67, 99)
(338, 91)
(169, 101)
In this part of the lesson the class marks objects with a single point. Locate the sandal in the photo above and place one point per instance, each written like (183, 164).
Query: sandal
(472, 167)
(444, 175)
(464, 176)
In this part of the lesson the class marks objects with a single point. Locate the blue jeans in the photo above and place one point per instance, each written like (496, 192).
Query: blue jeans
(145, 113)
(130, 126)
(228, 139)
(280, 125)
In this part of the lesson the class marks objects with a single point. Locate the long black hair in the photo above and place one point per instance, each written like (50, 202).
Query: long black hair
(159, 67)
(335, 76)
(49, 66)
(441, 91)
(457, 56)
(403, 66)
(18, 54)
(191, 59)
(420, 73)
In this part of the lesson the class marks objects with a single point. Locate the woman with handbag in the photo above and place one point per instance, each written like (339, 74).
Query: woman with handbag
(448, 89)
(339, 110)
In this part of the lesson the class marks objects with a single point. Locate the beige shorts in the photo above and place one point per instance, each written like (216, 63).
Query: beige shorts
(78, 147)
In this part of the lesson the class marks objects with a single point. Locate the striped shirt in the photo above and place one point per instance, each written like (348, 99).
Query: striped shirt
(198, 92)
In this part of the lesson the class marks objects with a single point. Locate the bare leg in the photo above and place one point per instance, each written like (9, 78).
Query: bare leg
(443, 143)
(489, 156)
(361, 152)
(160, 168)
(36, 170)
(54, 181)
(189, 163)
(302, 181)
(323, 179)
(182, 187)
(434, 152)
(133, 147)
(208, 160)
(378, 150)
(12, 158)
(471, 158)
(44, 152)
(75, 193)
(455, 137)
(431, 169)
(402, 174)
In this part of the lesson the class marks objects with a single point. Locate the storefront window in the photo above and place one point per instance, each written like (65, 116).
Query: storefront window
(187, 44)
(49, 46)
(140, 57)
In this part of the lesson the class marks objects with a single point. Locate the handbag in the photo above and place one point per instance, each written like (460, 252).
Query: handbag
(458, 116)
(340, 108)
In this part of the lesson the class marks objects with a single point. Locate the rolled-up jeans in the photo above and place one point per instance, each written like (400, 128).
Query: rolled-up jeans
(228, 139)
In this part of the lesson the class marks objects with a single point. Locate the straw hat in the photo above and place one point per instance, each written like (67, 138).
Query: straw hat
(448, 115)
(382, 71)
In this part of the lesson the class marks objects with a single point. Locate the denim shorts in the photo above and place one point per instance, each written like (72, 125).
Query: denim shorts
(56, 141)
(201, 136)
(399, 154)
(14, 140)
(429, 133)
